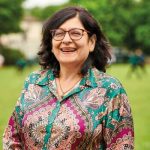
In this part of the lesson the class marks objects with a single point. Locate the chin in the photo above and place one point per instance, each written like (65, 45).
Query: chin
(68, 62)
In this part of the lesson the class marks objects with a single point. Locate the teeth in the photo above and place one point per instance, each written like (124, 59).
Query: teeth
(68, 49)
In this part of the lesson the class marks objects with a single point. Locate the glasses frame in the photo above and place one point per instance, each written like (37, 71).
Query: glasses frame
(67, 31)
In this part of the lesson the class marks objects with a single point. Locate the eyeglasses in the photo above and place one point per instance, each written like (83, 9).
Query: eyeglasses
(75, 34)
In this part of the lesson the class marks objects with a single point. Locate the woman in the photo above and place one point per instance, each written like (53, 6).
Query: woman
(71, 103)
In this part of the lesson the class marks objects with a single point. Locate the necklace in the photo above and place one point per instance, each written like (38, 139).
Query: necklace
(64, 92)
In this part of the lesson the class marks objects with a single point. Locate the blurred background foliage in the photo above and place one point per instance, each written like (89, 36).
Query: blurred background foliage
(11, 13)
(11, 55)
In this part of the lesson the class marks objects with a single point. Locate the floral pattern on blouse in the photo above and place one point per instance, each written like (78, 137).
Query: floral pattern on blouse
(95, 115)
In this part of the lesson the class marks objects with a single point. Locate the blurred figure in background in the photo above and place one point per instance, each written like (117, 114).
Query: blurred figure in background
(141, 59)
(136, 60)
(21, 64)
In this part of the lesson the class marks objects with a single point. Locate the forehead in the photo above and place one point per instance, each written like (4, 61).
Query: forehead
(72, 23)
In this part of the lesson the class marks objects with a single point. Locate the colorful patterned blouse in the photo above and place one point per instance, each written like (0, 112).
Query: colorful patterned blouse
(95, 115)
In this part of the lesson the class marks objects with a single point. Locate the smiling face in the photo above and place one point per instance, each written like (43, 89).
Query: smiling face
(73, 52)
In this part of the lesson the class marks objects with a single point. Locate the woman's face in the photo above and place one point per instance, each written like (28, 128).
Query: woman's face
(73, 52)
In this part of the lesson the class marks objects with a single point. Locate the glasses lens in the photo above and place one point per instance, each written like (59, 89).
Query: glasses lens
(58, 34)
(76, 34)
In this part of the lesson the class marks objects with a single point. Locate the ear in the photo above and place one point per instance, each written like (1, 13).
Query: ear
(92, 42)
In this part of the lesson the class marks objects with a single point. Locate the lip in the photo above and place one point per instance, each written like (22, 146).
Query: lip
(68, 49)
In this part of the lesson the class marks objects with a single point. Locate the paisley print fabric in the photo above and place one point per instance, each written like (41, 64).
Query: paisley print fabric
(95, 115)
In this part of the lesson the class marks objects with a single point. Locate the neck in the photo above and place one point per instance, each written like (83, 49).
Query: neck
(68, 78)
(69, 73)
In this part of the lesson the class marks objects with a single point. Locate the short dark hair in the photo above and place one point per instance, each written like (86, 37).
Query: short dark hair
(98, 58)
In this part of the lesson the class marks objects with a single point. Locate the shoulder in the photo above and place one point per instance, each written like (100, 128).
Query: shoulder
(39, 76)
(109, 82)
(34, 90)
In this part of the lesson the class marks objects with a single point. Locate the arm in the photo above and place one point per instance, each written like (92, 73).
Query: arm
(118, 123)
(12, 135)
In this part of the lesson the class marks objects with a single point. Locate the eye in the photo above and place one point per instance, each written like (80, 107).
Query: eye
(76, 32)
(59, 33)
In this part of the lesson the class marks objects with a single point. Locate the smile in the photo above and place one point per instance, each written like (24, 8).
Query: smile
(68, 49)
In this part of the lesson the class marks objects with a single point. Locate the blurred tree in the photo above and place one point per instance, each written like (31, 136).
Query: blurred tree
(11, 55)
(44, 13)
(139, 29)
(11, 13)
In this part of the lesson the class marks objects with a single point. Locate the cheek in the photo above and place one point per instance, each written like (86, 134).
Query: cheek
(84, 47)
(84, 52)
(55, 45)
(83, 44)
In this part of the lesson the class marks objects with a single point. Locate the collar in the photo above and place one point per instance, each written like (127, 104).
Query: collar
(46, 76)
(89, 79)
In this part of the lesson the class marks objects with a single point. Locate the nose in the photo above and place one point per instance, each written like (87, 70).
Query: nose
(67, 38)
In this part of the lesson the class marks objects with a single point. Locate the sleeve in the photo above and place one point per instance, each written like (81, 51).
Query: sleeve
(118, 130)
(12, 139)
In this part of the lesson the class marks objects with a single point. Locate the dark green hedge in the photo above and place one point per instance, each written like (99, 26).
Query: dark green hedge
(11, 55)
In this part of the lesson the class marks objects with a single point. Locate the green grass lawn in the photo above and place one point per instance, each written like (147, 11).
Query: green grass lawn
(138, 90)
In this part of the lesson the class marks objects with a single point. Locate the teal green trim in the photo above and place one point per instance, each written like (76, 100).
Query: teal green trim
(46, 78)
(19, 115)
(48, 128)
